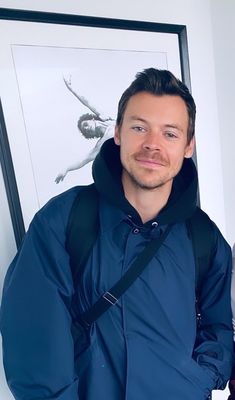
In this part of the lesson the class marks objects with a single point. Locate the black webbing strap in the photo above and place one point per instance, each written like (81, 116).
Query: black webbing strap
(201, 231)
(82, 229)
(111, 297)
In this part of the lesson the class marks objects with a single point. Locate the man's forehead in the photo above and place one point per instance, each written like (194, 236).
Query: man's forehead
(144, 104)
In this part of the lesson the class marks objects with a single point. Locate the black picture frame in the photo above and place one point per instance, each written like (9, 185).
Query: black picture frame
(77, 20)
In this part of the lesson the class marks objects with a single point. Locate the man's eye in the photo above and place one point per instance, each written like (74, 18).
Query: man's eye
(171, 135)
(138, 129)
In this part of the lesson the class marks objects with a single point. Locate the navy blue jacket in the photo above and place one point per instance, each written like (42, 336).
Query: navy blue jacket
(148, 345)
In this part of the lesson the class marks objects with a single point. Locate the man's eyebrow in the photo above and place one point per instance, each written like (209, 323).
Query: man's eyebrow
(137, 118)
(174, 126)
(171, 126)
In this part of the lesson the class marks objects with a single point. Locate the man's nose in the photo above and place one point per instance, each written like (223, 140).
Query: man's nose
(152, 141)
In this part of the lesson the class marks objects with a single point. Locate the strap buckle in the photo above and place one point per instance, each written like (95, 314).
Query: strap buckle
(110, 298)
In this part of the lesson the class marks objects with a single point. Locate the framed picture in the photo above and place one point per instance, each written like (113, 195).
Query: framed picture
(61, 77)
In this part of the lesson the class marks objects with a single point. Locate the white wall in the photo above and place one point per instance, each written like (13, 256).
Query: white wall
(223, 18)
(205, 40)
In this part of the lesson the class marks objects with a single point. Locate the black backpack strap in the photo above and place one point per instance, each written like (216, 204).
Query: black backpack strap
(200, 230)
(82, 228)
(111, 297)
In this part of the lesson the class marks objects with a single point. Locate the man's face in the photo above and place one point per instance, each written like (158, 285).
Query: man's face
(153, 140)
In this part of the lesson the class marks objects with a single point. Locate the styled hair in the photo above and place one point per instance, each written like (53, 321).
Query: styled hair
(89, 133)
(159, 83)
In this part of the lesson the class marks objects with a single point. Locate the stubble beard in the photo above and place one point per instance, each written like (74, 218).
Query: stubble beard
(136, 181)
(140, 184)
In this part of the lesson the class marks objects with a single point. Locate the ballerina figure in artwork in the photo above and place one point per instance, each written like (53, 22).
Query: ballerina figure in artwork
(92, 125)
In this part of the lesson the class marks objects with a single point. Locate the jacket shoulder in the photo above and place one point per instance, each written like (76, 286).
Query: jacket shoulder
(55, 212)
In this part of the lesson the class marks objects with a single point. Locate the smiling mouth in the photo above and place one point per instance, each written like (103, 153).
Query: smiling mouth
(151, 163)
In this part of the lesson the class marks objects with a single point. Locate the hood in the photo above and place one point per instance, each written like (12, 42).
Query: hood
(181, 204)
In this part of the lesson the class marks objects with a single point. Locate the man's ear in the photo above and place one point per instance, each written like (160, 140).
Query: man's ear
(190, 148)
(117, 135)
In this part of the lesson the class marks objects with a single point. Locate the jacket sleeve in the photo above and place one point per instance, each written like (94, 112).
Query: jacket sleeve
(214, 344)
(35, 319)
(232, 378)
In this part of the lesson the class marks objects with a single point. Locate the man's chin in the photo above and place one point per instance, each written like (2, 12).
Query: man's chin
(145, 185)
(152, 187)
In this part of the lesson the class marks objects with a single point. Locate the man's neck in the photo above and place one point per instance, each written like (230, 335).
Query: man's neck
(148, 203)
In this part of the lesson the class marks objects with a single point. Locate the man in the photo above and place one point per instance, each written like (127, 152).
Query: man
(148, 345)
